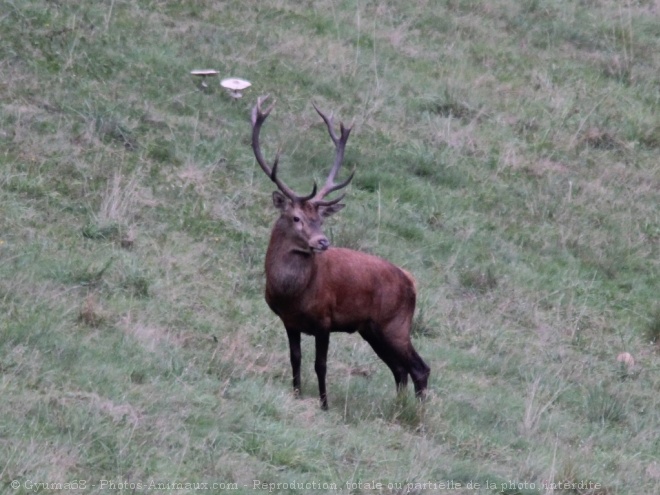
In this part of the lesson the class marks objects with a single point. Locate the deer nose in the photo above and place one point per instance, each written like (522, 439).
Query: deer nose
(323, 244)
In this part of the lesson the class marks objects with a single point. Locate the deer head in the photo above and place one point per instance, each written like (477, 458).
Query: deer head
(301, 218)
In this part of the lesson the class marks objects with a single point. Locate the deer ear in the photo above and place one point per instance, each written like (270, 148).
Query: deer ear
(279, 200)
(326, 211)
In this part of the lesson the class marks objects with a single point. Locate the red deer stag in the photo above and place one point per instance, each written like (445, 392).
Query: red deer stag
(317, 289)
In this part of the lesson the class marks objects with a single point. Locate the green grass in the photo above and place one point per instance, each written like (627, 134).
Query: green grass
(505, 154)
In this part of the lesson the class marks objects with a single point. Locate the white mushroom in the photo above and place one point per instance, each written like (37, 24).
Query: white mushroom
(235, 85)
(204, 73)
(626, 359)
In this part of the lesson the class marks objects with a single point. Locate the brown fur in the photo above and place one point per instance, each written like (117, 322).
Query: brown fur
(339, 290)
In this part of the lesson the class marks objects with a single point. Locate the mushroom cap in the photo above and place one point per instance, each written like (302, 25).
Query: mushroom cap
(234, 83)
(626, 359)
(205, 72)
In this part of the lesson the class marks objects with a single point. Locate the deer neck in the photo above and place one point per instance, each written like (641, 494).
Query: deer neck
(289, 268)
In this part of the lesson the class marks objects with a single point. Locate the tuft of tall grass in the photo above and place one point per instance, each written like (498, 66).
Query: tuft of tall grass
(653, 327)
(603, 407)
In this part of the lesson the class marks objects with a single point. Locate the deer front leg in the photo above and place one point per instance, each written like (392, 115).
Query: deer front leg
(322, 342)
(295, 355)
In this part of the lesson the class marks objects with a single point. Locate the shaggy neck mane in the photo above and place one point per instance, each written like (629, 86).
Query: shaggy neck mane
(288, 268)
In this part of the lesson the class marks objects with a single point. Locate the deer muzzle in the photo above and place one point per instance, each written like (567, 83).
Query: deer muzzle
(319, 243)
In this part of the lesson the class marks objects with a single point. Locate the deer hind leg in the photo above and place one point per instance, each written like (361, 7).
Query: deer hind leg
(295, 356)
(396, 334)
(322, 342)
(419, 371)
(388, 354)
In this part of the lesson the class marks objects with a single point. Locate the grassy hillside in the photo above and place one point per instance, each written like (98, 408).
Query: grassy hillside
(506, 155)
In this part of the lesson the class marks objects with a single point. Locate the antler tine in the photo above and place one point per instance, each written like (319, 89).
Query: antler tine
(258, 115)
(340, 146)
(331, 202)
(258, 118)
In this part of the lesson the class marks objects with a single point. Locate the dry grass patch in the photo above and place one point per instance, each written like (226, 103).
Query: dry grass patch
(245, 359)
(601, 139)
(122, 200)
(118, 413)
(40, 457)
(91, 313)
(545, 167)
(150, 336)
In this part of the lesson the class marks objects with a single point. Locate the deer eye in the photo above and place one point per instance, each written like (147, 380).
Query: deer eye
(296, 219)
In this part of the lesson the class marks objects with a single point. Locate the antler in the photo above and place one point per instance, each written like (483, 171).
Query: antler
(340, 145)
(258, 118)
